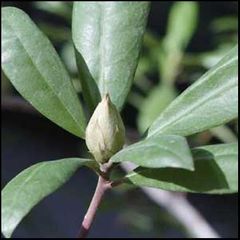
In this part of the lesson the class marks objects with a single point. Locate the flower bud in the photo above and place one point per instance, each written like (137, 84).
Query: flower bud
(105, 132)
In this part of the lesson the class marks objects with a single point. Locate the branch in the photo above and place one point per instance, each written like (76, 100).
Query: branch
(177, 205)
(182, 209)
(102, 186)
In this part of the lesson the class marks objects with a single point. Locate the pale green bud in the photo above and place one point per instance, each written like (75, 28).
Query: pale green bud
(105, 132)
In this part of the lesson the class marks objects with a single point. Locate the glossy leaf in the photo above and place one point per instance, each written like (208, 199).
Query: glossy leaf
(158, 152)
(34, 68)
(216, 172)
(209, 102)
(157, 100)
(33, 184)
(108, 35)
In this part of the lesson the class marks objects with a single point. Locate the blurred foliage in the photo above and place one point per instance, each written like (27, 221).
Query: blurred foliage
(168, 60)
(59, 8)
(134, 208)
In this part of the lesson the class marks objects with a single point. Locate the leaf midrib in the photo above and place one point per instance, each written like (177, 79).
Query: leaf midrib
(159, 146)
(195, 159)
(193, 107)
(102, 85)
(36, 67)
(21, 186)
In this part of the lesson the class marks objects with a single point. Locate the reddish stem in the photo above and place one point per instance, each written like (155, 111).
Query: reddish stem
(102, 186)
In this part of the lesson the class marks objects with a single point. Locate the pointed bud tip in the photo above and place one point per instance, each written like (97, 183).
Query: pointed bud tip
(107, 97)
(106, 101)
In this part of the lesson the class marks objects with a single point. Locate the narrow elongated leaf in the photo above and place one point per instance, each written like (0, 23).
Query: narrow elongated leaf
(28, 188)
(181, 14)
(108, 35)
(34, 68)
(90, 89)
(177, 38)
(158, 152)
(216, 171)
(211, 101)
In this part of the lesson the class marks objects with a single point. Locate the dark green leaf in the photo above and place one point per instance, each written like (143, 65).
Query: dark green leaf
(209, 102)
(216, 171)
(57, 34)
(158, 152)
(28, 188)
(34, 68)
(90, 90)
(109, 37)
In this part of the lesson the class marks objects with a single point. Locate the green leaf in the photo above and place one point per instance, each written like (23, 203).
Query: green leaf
(68, 56)
(216, 172)
(177, 38)
(157, 100)
(34, 68)
(109, 35)
(158, 152)
(28, 188)
(209, 102)
(90, 89)
(181, 14)
(56, 34)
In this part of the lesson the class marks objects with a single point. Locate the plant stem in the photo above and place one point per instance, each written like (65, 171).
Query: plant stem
(102, 186)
